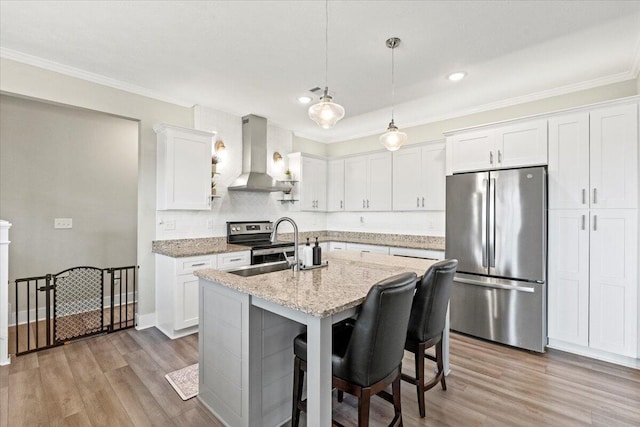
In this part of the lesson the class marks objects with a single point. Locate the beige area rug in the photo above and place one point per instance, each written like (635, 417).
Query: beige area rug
(184, 381)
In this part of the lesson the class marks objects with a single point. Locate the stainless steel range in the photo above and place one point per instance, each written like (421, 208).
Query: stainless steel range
(257, 235)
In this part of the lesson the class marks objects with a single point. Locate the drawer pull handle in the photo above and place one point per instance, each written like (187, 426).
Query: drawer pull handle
(235, 259)
(198, 264)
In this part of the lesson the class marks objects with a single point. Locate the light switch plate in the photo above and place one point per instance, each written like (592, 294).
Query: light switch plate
(63, 223)
(170, 225)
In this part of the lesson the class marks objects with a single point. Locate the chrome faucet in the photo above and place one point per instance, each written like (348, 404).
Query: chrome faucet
(274, 237)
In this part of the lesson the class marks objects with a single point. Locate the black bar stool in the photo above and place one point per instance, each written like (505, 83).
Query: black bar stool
(367, 351)
(426, 324)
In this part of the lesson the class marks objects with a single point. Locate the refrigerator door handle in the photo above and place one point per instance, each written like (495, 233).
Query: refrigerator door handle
(485, 193)
(492, 223)
(495, 285)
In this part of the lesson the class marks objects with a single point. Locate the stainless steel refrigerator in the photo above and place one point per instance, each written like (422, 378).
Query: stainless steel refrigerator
(496, 227)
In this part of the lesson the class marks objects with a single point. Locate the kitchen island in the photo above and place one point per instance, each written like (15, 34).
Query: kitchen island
(247, 326)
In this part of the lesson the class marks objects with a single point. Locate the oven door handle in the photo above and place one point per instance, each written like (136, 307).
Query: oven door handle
(271, 251)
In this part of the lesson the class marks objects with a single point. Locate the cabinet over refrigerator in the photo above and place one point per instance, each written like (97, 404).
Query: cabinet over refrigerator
(497, 229)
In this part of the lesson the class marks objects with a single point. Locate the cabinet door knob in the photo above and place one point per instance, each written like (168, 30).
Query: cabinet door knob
(584, 196)
(499, 157)
(490, 157)
(340, 204)
(595, 196)
(417, 202)
(595, 223)
(583, 221)
(423, 202)
(367, 203)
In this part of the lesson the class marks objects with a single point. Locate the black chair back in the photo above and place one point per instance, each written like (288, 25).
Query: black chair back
(429, 310)
(376, 346)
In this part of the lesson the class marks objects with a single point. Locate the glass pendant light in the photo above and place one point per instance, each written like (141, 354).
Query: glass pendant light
(393, 138)
(326, 113)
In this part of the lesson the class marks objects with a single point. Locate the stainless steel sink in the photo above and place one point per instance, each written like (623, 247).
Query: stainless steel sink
(254, 270)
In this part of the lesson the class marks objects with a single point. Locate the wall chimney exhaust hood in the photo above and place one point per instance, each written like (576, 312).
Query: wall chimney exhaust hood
(254, 175)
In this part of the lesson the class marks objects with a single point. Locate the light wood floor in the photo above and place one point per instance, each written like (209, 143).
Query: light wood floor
(27, 334)
(118, 379)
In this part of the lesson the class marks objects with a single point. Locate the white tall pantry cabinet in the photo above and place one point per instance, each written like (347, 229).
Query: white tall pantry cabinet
(593, 231)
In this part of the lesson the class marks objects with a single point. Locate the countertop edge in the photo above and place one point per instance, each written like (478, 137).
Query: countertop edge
(182, 248)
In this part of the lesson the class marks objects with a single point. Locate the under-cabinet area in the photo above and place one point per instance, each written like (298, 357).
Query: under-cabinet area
(177, 289)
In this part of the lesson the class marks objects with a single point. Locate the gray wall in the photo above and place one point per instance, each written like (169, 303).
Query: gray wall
(64, 162)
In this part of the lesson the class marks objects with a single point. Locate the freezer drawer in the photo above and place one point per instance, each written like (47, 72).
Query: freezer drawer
(506, 311)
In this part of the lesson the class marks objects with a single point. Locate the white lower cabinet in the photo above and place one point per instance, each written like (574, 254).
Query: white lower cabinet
(368, 248)
(177, 289)
(231, 260)
(593, 280)
(613, 297)
(417, 253)
(337, 246)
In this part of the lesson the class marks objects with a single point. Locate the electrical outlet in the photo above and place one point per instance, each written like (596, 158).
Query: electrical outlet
(430, 225)
(170, 225)
(63, 223)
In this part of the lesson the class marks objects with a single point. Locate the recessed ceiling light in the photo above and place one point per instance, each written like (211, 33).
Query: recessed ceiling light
(304, 99)
(457, 76)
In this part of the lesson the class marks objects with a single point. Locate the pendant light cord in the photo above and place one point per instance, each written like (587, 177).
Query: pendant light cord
(326, 44)
(393, 83)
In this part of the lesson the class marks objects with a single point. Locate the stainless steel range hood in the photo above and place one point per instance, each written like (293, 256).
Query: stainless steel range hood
(254, 158)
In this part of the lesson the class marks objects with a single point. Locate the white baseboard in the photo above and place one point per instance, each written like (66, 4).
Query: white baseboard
(594, 354)
(145, 321)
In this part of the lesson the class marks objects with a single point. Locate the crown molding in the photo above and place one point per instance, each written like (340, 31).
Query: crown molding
(35, 61)
(635, 61)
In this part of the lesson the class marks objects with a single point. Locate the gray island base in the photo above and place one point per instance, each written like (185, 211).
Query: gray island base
(247, 326)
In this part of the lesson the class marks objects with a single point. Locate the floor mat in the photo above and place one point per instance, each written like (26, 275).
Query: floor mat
(184, 381)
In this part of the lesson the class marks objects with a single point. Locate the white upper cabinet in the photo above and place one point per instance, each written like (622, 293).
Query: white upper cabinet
(593, 159)
(312, 186)
(614, 157)
(183, 173)
(470, 151)
(335, 186)
(507, 146)
(419, 178)
(368, 182)
(569, 161)
(522, 144)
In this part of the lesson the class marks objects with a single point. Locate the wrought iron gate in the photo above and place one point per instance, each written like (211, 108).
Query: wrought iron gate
(72, 304)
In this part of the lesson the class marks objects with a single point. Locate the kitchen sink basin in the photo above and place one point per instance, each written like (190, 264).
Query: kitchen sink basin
(254, 270)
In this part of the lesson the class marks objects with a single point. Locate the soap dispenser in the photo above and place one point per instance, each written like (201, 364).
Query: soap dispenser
(317, 254)
(307, 255)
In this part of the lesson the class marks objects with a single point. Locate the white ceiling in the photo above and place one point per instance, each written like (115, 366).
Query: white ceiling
(257, 57)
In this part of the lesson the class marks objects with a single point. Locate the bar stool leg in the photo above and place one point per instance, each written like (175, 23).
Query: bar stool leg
(419, 359)
(298, 382)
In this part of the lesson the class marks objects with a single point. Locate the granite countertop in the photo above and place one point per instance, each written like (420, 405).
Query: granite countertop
(214, 245)
(323, 291)
(193, 247)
